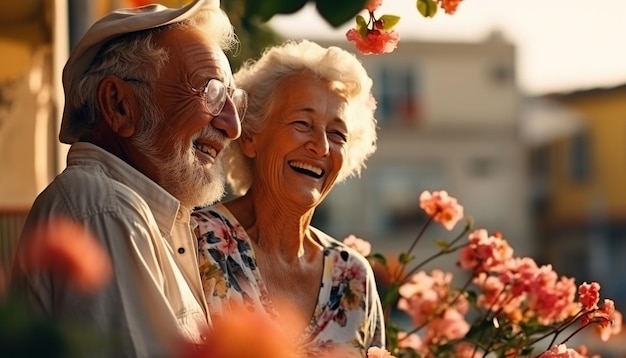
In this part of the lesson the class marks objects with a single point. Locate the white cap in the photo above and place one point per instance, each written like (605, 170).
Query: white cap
(114, 24)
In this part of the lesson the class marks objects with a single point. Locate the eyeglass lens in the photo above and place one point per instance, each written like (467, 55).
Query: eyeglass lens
(215, 98)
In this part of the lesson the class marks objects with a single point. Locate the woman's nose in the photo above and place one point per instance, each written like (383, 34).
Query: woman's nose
(318, 143)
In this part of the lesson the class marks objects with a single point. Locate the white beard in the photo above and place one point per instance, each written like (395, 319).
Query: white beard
(180, 171)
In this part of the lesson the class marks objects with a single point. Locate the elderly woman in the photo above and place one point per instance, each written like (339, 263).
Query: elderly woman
(310, 124)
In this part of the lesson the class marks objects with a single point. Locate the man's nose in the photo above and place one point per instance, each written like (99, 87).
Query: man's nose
(228, 120)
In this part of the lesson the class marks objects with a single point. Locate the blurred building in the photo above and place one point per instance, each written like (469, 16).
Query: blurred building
(35, 38)
(449, 117)
(579, 196)
(33, 43)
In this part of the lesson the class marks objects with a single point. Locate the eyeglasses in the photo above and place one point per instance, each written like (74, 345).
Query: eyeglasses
(214, 94)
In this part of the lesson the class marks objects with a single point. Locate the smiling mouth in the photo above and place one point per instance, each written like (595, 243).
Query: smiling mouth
(307, 169)
(206, 149)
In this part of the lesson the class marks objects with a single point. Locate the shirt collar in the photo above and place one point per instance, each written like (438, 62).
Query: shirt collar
(165, 207)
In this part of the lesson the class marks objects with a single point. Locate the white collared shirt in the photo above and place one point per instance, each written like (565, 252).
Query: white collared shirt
(155, 291)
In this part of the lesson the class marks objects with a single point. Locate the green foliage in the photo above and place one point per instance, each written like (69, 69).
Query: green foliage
(428, 8)
(337, 13)
(391, 295)
(378, 257)
(253, 34)
(389, 21)
(266, 9)
(361, 26)
(25, 334)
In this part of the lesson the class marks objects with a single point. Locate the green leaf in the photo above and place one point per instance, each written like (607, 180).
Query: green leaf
(405, 258)
(361, 26)
(391, 295)
(360, 22)
(380, 258)
(266, 9)
(428, 8)
(389, 21)
(442, 244)
(335, 12)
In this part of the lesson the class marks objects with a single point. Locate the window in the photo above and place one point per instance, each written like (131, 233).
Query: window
(580, 158)
(396, 91)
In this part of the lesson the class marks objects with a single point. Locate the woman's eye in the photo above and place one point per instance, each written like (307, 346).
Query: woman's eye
(339, 135)
(301, 124)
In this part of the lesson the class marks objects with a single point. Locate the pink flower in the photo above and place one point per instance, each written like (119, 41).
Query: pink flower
(561, 351)
(485, 252)
(447, 327)
(608, 320)
(589, 294)
(243, 334)
(443, 208)
(66, 248)
(411, 341)
(449, 6)
(375, 41)
(363, 247)
(376, 352)
(372, 5)
(467, 350)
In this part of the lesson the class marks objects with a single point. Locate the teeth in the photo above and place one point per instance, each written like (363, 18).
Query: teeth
(207, 149)
(316, 170)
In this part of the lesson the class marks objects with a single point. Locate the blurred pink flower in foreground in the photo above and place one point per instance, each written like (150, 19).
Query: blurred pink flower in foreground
(247, 334)
(66, 248)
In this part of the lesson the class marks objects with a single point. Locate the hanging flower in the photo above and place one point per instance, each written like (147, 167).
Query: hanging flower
(376, 35)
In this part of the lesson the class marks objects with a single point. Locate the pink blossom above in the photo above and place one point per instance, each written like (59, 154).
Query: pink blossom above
(374, 42)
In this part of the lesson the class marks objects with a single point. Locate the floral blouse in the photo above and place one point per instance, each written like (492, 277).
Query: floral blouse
(348, 315)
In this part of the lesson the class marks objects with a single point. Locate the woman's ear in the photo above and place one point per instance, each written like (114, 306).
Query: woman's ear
(114, 100)
(247, 145)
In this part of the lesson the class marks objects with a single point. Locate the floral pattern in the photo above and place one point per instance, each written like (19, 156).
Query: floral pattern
(348, 316)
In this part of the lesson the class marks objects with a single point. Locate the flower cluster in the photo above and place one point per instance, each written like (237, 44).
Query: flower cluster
(508, 306)
(377, 36)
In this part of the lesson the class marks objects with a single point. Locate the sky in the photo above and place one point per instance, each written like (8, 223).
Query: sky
(562, 45)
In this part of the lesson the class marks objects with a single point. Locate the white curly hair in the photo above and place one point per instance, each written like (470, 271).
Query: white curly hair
(334, 65)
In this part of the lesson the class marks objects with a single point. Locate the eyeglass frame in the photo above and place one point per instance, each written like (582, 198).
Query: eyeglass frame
(228, 92)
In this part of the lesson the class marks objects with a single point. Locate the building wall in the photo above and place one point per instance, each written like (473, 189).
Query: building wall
(583, 218)
(461, 135)
(605, 115)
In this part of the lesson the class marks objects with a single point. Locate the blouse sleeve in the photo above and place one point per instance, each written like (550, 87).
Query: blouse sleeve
(375, 312)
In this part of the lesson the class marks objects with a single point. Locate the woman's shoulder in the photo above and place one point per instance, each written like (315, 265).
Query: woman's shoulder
(215, 218)
(333, 246)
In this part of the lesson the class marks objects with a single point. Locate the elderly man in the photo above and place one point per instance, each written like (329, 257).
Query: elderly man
(149, 106)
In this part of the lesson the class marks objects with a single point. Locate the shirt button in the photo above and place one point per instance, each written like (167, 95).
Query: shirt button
(181, 250)
(203, 337)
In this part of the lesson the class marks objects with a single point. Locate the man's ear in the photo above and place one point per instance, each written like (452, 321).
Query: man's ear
(114, 100)
(247, 145)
